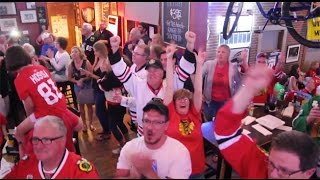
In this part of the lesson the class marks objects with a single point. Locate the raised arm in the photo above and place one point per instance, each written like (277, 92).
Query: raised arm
(187, 62)
(120, 68)
(169, 74)
(228, 131)
(197, 95)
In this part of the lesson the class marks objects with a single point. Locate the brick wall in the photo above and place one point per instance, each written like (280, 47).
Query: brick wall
(216, 9)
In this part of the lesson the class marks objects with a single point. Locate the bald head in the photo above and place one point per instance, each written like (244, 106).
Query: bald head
(134, 34)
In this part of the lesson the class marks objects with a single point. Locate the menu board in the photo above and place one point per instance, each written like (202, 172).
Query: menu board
(175, 22)
(60, 26)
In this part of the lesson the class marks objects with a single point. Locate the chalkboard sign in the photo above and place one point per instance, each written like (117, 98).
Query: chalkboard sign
(175, 22)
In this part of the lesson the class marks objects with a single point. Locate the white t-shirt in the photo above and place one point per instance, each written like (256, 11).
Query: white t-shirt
(60, 61)
(171, 160)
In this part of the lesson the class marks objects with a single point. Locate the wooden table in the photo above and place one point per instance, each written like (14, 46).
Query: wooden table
(264, 141)
(224, 170)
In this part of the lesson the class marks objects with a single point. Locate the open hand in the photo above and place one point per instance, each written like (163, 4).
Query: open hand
(257, 78)
(200, 57)
(314, 115)
(244, 55)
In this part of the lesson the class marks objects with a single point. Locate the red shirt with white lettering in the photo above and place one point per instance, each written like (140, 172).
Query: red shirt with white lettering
(36, 82)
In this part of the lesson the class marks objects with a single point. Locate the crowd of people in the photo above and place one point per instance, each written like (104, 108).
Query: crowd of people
(168, 98)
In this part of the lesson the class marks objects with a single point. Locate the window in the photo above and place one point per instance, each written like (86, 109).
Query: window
(241, 37)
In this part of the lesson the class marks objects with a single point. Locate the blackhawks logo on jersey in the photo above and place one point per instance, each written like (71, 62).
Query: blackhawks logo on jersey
(92, 38)
(186, 127)
(84, 165)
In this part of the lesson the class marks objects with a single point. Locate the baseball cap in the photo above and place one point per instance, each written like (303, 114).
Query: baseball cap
(154, 63)
(156, 104)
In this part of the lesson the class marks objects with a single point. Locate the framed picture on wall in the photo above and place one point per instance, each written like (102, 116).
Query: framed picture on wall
(235, 55)
(8, 24)
(29, 16)
(293, 53)
(31, 5)
(8, 8)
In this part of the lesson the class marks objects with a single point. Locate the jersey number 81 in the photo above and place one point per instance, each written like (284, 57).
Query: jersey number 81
(46, 92)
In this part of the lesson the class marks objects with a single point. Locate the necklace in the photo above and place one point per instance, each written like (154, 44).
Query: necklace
(47, 174)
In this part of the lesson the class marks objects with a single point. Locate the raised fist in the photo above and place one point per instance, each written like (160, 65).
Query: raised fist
(115, 41)
(190, 37)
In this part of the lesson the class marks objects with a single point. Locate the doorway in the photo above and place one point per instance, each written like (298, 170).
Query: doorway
(62, 21)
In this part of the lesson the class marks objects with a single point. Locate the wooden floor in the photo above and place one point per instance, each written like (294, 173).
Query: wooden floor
(99, 153)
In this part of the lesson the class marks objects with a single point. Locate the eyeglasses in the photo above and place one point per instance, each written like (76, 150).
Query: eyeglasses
(156, 124)
(282, 172)
(44, 141)
(135, 53)
(183, 98)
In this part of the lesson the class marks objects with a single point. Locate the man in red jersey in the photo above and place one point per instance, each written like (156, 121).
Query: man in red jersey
(292, 154)
(51, 159)
(40, 97)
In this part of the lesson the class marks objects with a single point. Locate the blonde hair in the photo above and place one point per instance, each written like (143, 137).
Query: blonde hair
(159, 39)
(102, 49)
(82, 54)
(225, 46)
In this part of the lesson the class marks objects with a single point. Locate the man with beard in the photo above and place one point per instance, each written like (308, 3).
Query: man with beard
(155, 155)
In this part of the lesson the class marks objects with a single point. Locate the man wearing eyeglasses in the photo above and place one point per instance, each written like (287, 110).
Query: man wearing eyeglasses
(292, 154)
(155, 155)
(40, 96)
(51, 159)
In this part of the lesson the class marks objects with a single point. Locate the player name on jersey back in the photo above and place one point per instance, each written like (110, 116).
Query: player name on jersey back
(38, 76)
